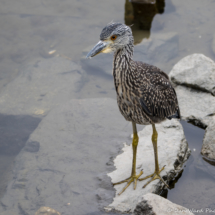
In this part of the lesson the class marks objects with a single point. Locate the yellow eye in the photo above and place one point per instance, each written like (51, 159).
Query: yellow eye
(113, 37)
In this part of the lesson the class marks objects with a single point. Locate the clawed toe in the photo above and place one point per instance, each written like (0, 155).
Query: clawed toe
(154, 176)
(132, 178)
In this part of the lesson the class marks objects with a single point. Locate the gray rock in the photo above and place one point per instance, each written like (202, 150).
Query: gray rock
(208, 147)
(172, 152)
(196, 106)
(69, 171)
(196, 71)
(152, 204)
(41, 86)
(195, 78)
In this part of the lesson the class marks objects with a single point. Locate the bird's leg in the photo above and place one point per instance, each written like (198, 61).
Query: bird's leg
(133, 177)
(156, 174)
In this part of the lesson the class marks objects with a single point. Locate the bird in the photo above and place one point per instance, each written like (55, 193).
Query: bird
(145, 95)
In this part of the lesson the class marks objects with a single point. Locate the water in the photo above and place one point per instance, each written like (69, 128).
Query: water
(30, 30)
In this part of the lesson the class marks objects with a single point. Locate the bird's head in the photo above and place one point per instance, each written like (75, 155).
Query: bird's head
(113, 37)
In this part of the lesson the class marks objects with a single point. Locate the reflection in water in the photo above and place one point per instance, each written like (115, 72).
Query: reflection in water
(210, 161)
(140, 14)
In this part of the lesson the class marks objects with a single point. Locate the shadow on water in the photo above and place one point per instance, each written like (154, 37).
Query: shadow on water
(139, 15)
(14, 132)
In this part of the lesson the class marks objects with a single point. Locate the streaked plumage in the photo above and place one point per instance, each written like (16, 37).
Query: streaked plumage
(144, 92)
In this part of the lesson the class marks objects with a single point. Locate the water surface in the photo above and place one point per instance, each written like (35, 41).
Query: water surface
(32, 30)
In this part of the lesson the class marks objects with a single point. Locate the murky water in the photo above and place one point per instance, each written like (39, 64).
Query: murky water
(34, 31)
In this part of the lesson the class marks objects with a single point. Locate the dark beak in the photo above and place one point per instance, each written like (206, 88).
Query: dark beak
(97, 49)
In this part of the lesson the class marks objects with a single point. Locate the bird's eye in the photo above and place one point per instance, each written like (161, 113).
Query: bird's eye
(113, 37)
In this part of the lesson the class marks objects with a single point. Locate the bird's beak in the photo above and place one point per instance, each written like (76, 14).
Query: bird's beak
(101, 46)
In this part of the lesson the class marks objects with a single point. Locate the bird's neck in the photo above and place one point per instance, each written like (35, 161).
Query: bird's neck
(122, 63)
(125, 52)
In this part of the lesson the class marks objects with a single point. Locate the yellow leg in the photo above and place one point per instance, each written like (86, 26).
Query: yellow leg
(133, 177)
(156, 174)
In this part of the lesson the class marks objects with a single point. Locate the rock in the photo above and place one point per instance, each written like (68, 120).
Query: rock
(152, 204)
(208, 147)
(194, 92)
(172, 152)
(41, 86)
(47, 211)
(196, 106)
(196, 71)
(65, 162)
(32, 146)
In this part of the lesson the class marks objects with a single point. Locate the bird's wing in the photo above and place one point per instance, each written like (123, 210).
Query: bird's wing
(156, 94)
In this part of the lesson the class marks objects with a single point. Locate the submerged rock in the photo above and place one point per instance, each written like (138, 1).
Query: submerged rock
(152, 204)
(208, 147)
(42, 86)
(172, 152)
(194, 77)
(66, 159)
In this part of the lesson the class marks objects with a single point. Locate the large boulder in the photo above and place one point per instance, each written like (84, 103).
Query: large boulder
(194, 77)
(173, 151)
(196, 71)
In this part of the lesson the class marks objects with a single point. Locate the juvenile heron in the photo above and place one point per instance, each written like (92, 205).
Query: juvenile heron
(144, 93)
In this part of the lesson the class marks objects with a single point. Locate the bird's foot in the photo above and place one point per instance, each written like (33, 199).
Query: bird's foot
(154, 176)
(132, 178)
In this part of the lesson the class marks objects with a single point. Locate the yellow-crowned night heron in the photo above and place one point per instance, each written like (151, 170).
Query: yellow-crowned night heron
(144, 93)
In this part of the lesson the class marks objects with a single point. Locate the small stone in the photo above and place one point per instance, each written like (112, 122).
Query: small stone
(52, 52)
(32, 146)
(47, 211)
